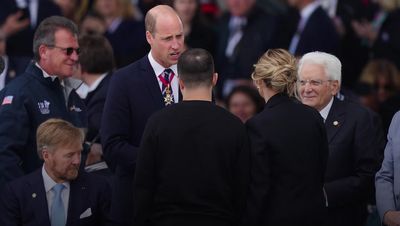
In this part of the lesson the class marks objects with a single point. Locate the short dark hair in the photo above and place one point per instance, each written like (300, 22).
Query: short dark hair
(44, 34)
(96, 54)
(196, 68)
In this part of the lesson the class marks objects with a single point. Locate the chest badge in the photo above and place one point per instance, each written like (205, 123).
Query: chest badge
(44, 107)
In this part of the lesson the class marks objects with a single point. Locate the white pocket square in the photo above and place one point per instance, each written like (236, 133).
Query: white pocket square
(85, 214)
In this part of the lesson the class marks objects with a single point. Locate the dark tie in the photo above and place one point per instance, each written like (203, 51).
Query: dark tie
(166, 90)
(57, 207)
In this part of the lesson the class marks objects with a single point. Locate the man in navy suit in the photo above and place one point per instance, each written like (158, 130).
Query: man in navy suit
(35, 200)
(315, 30)
(136, 92)
(354, 146)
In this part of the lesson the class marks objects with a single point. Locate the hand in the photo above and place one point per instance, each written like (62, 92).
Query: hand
(95, 154)
(392, 218)
(13, 24)
(365, 30)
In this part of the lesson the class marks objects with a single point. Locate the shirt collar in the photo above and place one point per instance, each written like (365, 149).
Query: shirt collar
(45, 74)
(83, 90)
(49, 183)
(325, 111)
(158, 68)
(309, 9)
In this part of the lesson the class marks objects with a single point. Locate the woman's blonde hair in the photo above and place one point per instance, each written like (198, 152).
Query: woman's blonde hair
(277, 68)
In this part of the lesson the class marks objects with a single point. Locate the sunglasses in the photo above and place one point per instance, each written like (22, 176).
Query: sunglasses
(68, 50)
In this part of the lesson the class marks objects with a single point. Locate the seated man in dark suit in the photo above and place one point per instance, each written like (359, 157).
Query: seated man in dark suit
(55, 194)
(192, 167)
(96, 64)
(352, 137)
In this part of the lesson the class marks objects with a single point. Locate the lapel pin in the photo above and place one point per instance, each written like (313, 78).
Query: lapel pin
(335, 123)
(34, 195)
(12, 73)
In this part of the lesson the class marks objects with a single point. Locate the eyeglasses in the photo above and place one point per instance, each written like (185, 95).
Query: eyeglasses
(68, 50)
(317, 82)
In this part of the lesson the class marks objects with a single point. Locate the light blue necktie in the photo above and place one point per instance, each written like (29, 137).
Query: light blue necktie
(57, 208)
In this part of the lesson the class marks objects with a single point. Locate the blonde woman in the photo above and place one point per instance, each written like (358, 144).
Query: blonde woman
(289, 150)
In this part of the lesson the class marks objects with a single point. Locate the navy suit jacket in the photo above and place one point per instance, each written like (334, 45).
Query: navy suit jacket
(352, 163)
(23, 201)
(133, 96)
(94, 102)
(319, 34)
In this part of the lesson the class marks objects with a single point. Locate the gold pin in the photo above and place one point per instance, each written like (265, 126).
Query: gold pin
(335, 123)
(34, 195)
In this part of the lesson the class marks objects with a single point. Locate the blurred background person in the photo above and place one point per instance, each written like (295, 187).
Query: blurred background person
(92, 24)
(8, 72)
(124, 30)
(244, 102)
(383, 80)
(288, 155)
(96, 66)
(245, 31)
(19, 44)
(382, 34)
(198, 33)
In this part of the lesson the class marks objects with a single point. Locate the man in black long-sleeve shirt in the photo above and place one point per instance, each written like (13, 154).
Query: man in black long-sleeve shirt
(192, 168)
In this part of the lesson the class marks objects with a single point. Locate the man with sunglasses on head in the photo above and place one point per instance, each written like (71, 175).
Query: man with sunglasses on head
(41, 92)
(354, 140)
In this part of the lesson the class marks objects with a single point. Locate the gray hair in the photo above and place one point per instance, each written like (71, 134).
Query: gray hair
(44, 34)
(331, 64)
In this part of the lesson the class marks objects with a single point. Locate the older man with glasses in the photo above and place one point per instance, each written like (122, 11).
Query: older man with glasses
(42, 92)
(352, 137)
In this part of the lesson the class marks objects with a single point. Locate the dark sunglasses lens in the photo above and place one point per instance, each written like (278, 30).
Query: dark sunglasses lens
(70, 50)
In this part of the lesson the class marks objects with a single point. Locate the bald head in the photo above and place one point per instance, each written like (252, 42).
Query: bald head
(160, 11)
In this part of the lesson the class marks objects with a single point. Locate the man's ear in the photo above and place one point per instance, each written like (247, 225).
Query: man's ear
(215, 79)
(181, 85)
(149, 37)
(335, 87)
(43, 50)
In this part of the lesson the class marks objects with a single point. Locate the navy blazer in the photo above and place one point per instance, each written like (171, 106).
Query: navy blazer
(94, 102)
(319, 34)
(23, 201)
(133, 96)
(352, 163)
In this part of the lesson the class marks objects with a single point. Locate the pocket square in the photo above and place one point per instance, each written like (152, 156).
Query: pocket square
(85, 214)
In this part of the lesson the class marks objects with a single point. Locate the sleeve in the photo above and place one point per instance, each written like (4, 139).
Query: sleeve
(260, 174)
(358, 186)
(116, 127)
(384, 179)
(9, 209)
(15, 127)
(145, 175)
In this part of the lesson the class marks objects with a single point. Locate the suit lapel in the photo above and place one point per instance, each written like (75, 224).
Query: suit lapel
(335, 119)
(77, 199)
(38, 194)
(151, 82)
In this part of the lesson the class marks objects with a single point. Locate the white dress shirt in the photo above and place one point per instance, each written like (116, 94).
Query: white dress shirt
(325, 111)
(49, 183)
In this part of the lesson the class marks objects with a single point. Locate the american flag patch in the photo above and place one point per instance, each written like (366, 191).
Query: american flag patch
(7, 100)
